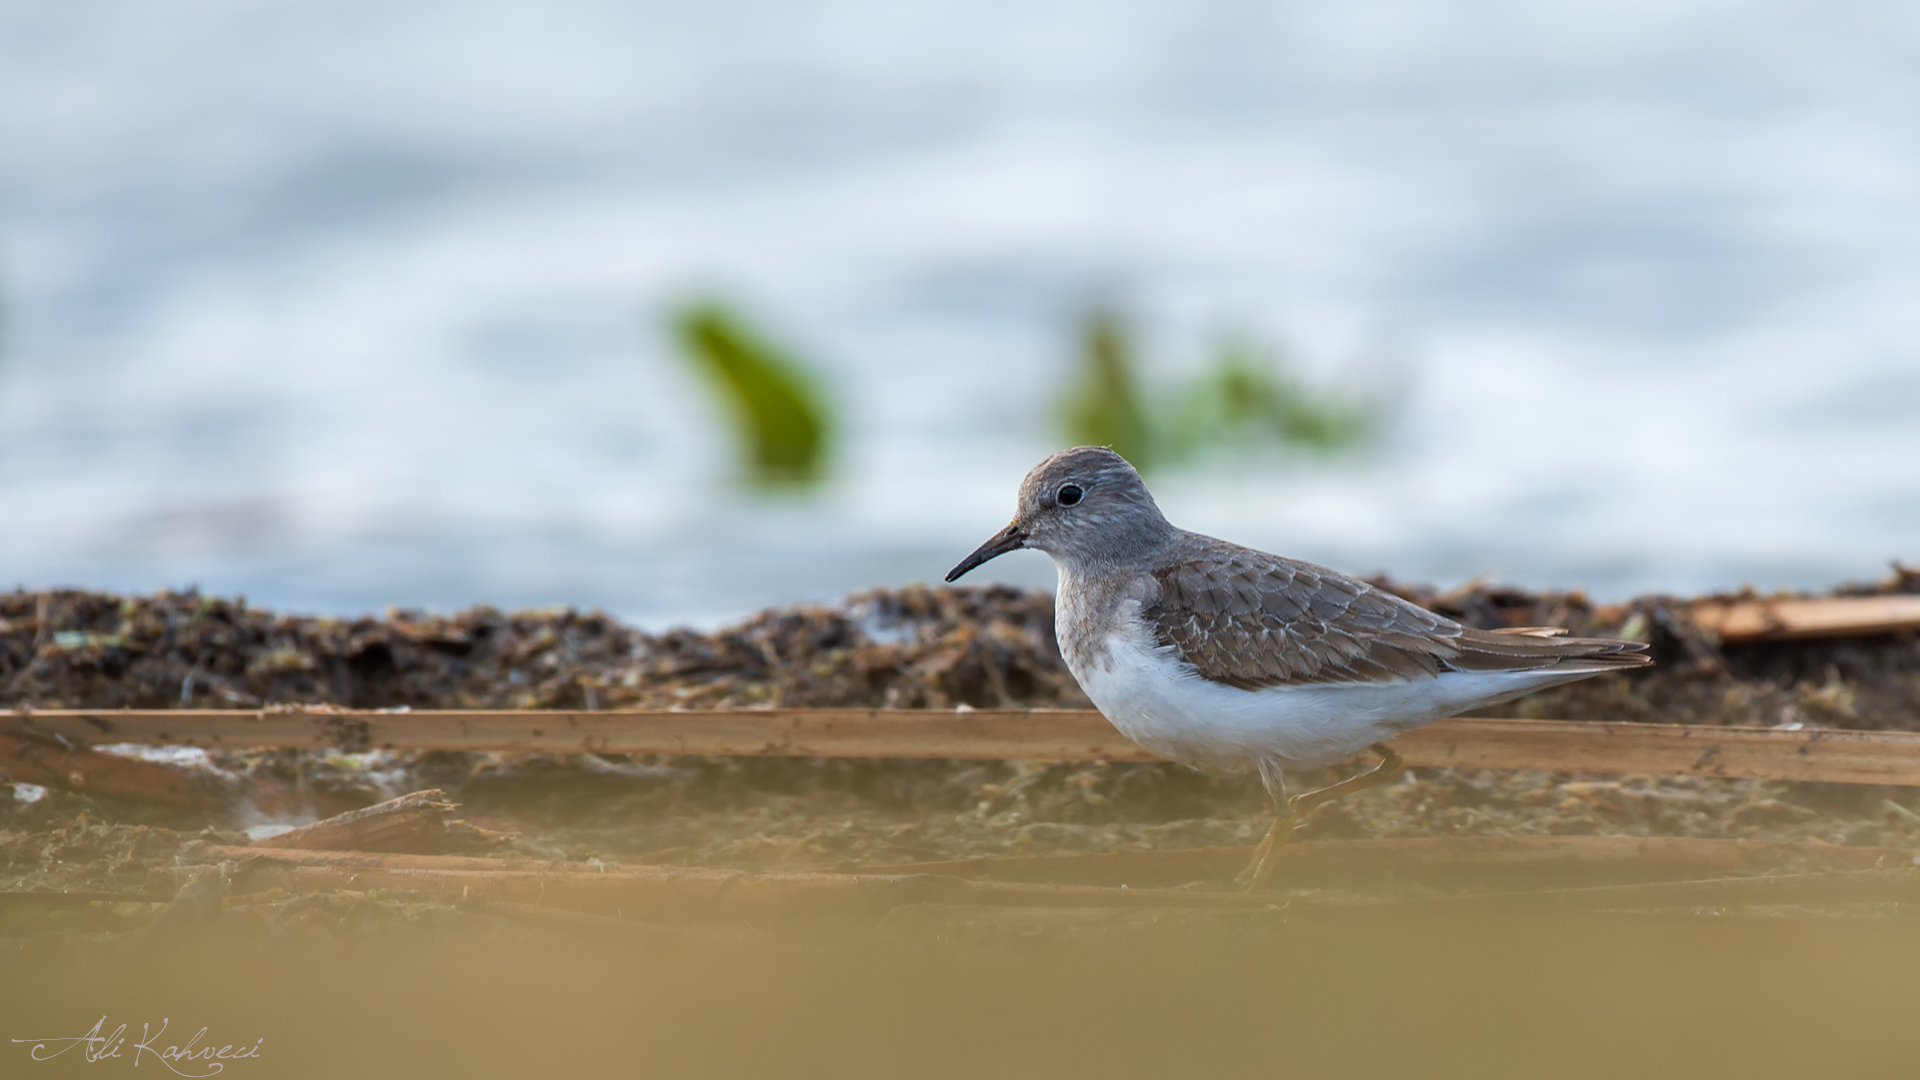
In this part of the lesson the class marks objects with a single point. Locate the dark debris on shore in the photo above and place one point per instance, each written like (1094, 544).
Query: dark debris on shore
(910, 647)
(914, 647)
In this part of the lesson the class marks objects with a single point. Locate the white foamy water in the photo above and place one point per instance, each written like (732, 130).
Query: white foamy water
(341, 305)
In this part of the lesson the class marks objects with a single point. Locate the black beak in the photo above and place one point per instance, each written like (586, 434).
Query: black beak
(1011, 538)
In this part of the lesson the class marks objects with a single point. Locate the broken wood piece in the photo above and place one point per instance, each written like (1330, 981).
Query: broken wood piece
(1809, 754)
(416, 823)
(28, 760)
(1812, 617)
(1422, 858)
(32, 756)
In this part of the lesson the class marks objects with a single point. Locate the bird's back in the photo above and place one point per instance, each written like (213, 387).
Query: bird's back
(1217, 652)
(1251, 620)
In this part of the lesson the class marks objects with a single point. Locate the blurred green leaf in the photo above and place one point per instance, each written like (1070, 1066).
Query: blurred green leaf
(1102, 404)
(1246, 399)
(778, 415)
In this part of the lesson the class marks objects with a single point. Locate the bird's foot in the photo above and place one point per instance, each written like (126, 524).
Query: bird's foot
(1267, 855)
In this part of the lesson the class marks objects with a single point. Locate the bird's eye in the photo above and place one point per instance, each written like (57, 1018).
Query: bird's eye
(1068, 494)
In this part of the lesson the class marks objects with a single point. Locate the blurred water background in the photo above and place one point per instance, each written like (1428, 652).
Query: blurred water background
(340, 305)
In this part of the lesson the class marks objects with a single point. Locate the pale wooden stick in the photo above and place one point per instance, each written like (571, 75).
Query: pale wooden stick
(1816, 617)
(1812, 754)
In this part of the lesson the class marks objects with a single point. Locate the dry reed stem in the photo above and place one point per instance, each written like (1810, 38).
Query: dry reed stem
(1812, 754)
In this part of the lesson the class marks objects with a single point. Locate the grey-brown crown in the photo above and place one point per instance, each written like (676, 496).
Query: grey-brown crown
(1113, 519)
(1085, 507)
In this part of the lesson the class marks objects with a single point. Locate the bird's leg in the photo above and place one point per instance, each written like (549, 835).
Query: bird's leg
(1390, 766)
(1289, 811)
(1257, 871)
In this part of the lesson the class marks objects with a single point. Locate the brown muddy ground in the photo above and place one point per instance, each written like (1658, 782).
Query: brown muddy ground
(915, 647)
(378, 983)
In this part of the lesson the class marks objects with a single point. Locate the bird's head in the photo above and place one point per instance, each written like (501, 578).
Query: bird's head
(1080, 505)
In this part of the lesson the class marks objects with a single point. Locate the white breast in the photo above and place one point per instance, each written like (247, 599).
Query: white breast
(1160, 703)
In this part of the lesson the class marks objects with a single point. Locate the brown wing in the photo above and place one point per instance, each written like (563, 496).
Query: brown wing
(1251, 620)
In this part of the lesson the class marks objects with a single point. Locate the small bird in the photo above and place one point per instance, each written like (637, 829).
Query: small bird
(1210, 653)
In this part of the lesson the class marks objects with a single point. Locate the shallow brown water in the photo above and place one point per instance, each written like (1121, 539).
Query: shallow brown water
(334, 985)
(1521, 996)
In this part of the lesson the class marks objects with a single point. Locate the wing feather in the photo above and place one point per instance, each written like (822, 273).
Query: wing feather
(1252, 620)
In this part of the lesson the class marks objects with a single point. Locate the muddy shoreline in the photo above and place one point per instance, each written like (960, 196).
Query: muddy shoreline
(915, 647)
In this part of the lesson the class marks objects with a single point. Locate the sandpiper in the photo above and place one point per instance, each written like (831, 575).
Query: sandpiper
(1210, 653)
